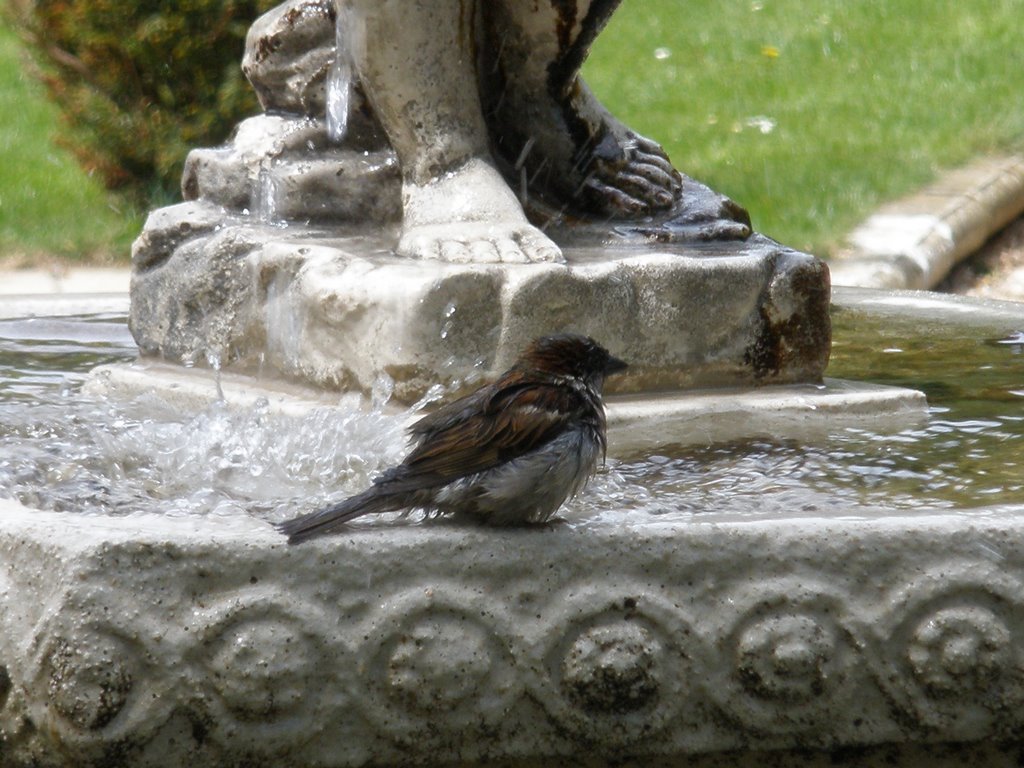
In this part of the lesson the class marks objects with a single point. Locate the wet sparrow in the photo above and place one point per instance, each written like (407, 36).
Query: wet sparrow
(510, 453)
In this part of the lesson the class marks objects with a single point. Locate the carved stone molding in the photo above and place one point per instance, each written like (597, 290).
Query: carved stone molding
(149, 642)
(787, 654)
(951, 648)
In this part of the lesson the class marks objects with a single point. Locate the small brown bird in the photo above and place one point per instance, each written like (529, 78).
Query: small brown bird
(510, 453)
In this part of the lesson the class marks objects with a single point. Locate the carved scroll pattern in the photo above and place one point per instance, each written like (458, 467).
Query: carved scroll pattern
(605, 663)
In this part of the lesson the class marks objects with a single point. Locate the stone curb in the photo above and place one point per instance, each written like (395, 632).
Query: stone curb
(915, 241)
(61, 304)
(32, 282)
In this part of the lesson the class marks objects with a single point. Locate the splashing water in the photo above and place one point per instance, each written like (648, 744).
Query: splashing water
(65, 451)
(449, 322)
(339, 79)
(267, 196)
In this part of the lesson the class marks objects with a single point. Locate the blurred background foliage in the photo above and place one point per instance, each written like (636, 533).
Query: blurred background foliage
(140, 83)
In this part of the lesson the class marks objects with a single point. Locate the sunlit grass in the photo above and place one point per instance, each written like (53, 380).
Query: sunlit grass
(808, 112)
(812, 112)
(48, 205)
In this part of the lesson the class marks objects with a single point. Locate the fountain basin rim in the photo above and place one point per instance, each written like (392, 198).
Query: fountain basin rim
(82, 533)
(763, 634)
(968, 311)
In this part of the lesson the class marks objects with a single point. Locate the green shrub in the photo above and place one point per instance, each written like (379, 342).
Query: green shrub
(139, 83)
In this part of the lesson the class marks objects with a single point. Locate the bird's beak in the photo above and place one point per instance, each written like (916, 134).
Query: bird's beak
(614, 365)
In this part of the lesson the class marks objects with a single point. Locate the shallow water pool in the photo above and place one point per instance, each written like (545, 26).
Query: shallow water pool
(63, 450)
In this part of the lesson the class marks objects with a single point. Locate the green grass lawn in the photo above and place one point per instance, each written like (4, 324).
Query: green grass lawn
(861, 100)
(808, 112)
(48, 205)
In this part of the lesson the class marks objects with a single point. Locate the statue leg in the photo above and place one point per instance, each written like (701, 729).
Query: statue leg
(416, 62)
(548, 127)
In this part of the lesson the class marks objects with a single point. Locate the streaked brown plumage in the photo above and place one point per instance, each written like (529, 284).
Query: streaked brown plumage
(510, 453)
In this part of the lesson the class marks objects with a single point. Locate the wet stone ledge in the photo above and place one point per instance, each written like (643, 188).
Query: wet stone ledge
(334, 308)
(155, 641)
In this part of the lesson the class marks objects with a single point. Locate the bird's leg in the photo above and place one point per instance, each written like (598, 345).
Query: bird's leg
(418, 67)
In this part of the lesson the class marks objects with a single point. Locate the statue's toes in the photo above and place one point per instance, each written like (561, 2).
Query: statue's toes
(735, 212)
(652, 153)
(486, 250)
(509, 251)
(726, 229)
(479, 242)
(641, 187)
(656, 175)
(461, 252)
(419, 246)
(613, 199)
(536, 246)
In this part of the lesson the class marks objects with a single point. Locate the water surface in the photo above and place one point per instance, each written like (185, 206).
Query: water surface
(63, 450)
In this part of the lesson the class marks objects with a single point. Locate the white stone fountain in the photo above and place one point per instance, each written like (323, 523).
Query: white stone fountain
(785, 637)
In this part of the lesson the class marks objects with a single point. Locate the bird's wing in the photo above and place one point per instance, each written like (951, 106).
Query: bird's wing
(505, 424)
(452, 413)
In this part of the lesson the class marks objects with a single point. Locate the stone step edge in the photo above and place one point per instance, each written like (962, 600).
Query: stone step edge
(20, 283)
(914, 242)
(694, 417)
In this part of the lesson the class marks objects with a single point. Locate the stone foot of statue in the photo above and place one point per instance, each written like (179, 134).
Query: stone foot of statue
(580, 159)
(470, 215)
(554, 138)
(577, 151)
(420, 77)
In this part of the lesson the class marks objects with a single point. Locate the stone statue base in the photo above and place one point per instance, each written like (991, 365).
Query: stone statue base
(332, 307)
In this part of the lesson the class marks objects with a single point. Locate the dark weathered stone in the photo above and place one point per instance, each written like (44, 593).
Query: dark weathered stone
(285, 169)
(337, 187)
(167, 228)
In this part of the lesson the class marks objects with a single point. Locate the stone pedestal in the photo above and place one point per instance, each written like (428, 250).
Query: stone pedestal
(637, 424)
(335, 309)
(148, 641)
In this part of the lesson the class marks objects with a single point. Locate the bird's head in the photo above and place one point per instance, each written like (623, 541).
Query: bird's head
(570, 354)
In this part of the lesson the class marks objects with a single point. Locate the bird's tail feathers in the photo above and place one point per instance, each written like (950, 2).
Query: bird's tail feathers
(331, 518)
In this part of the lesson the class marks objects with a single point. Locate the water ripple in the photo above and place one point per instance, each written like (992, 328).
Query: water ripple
(61, 450)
